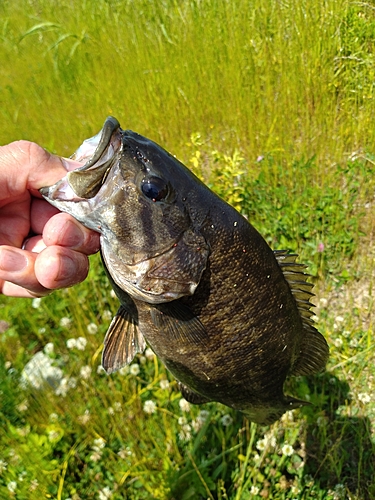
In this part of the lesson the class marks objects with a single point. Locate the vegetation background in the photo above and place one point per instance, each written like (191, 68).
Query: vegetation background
(272, 104)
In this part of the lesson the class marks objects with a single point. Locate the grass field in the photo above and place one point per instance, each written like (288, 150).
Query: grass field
(272, 104)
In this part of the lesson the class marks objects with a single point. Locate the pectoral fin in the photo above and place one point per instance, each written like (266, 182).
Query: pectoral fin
(122, 341)
(176, 321)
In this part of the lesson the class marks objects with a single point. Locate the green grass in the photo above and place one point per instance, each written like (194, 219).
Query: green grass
(272, 104)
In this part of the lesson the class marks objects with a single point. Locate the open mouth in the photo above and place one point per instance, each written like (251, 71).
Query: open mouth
(95, 155)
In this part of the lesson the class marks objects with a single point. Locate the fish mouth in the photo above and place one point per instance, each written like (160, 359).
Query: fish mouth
(96, 155)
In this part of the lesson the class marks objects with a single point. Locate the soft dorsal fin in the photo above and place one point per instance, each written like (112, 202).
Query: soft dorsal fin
(314, 351)
(122, 341)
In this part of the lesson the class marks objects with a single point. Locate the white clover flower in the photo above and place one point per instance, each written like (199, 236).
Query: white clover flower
(261, 444)
(338, 342)
(184, 405)
(339, 319)
(149, 353)
(164, 384)
(12, 486)
(48, 348)
(142, 360)
(200, 420)
(53, 417)
(182, 421)
(35, 303)
(105, 493)
(134, 369)
(99, 444)
(34, 485)
(96, 456)
(72, 382)
(23, 406)
(364, 397)
(81, 343)
(185, 433)
(226, 420)
(71, 343)
(323, 301)
(117, 406)
(124, 370)
(353, 343)
(53, 435)
(287, 450)
(92, 328)
(111, 411)
(85, 372)
(3, 466)
(65, 322)
(254, 490)
(83, 419)
(42, 330)
(149, 406)
(125, 452)
(107, 315)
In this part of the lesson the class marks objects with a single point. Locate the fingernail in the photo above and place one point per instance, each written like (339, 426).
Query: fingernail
(72, 235)
(68, 268)
(12, 260)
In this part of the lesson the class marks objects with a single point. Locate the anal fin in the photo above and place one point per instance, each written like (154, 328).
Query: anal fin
(122, 341)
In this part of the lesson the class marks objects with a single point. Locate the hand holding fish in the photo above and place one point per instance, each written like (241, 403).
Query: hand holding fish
(41, 249)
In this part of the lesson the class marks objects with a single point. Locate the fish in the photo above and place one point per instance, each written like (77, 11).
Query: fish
(229, 317)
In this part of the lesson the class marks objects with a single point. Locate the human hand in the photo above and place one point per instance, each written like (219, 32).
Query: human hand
(41, 249)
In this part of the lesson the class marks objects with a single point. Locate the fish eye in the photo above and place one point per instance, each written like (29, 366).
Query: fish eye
(154, 188)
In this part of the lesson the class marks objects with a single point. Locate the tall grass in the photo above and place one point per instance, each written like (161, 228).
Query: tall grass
(272, 104)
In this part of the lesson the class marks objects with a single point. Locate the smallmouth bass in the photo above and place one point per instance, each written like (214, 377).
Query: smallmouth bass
(230, 318)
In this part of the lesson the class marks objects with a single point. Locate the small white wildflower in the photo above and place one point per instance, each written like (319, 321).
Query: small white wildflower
(99, 444)
(23, 431)
(35, 303)
(42, 330)
(7, 365)
(200, 420)
(81, 343)
(111, 411)
(53, 435)
(100, 369)
(339, 492)
(364, 397)
(48, 348)
(72, 382)
(261, 444)
(124, 370)
(113, 294)
(134, 369)
(323, 301)
(3, 466)
(53, 417)
(83, 419)
(92, 328)
(185, 433)
(96, 456)
(346, 333)
(23, 406)
(34, 485)
(12, 486)
(107, 315)
(339, 319)
(117, 406)
(182, 421)
(71, 343)
(338, 342)
(149, 406)
(256, 456)
(287, 450)
(125, 452)
(65, 322)
(142, 360)
(63, 387)
(105, 493)
(226, 420)
(149, 353)
(85, 372)
(184, 405)
(288, 416)
(353, 343)
(164, 384)
(254, 490)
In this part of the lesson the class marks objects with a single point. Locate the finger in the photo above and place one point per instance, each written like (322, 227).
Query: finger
(59, 267)
(40, 213)
(12, 290)
(64, 230)
(34, 244)
(17, 267)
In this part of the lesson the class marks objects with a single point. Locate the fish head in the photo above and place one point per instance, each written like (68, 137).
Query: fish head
(135, 194)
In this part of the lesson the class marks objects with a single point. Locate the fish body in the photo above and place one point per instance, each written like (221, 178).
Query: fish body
(228, 317)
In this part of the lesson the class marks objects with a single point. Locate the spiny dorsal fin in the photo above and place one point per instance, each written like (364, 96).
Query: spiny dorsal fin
(122, 341)
(313, 354)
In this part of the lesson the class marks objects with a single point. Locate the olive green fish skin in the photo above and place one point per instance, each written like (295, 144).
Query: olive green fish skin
(200, 285)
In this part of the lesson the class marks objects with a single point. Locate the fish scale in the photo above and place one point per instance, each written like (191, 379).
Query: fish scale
(230, 318)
